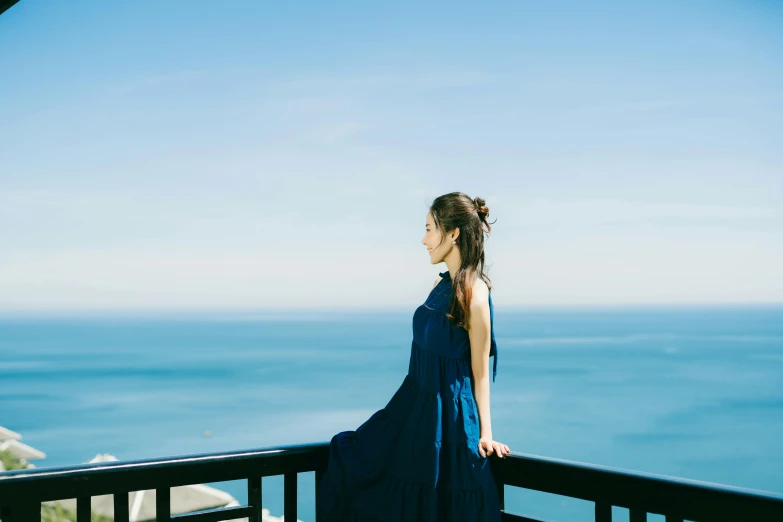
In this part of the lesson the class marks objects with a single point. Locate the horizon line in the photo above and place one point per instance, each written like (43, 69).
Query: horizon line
(368, 309)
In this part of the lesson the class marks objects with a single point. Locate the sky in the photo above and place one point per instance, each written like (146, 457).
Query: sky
(231, 155)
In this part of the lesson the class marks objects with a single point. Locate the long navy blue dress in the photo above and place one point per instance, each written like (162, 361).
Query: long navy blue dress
(417, 459)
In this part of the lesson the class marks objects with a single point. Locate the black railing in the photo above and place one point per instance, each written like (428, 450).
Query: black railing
(6, 4)
(22, 492)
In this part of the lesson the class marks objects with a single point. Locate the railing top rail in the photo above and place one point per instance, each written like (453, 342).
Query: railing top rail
(80, 470)
(103, 478)
(6, 4)
(564, 467)
(639, 491)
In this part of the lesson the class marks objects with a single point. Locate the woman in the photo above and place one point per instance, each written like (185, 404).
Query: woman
(424, 457)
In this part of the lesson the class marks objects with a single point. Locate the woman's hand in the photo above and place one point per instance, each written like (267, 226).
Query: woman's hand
(487, 446)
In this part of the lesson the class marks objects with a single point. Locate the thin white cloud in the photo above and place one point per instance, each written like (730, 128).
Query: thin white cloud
(316, 104)
(627, 107)
(583, 212)
(423, 79)
(153, 81)
(338, 132)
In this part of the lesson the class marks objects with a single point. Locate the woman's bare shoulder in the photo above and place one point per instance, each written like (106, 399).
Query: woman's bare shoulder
(480, 288)
(479, 304)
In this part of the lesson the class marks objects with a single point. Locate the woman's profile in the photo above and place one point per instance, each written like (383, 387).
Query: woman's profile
(424, 457)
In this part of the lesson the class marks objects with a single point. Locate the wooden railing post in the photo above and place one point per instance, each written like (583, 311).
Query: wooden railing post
(603, 512)
(638, 515)
(254, 498)
(289, 495)
(121, 513)
(83, 509)
(163, 504)
(319, 476)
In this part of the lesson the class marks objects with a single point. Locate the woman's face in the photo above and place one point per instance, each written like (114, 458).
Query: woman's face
(432, 238)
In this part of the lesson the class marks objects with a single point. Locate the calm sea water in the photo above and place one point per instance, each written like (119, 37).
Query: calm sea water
(689, 392)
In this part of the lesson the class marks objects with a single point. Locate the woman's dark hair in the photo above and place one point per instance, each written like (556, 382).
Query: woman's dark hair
(458, 210)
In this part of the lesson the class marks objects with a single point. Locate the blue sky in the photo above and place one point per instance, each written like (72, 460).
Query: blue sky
(244, 154)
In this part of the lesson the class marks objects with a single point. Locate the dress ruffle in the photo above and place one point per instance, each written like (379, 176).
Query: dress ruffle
(437, 434)
(358, 489)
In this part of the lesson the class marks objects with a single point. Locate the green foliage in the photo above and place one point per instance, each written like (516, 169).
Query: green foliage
(57, 513)
(9, 461)
(49, 513)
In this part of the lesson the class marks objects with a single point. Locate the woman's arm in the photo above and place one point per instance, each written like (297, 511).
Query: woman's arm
(479, 331)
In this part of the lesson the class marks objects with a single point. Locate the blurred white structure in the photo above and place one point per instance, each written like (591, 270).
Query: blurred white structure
(9, 441)
(6, 434)
(184, 499)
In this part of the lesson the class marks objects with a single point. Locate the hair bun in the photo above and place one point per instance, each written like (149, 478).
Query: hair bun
(481, 207)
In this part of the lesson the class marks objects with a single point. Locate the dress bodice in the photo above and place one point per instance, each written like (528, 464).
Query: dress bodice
(434, 332)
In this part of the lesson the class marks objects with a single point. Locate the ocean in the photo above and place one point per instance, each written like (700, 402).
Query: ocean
(688, 391)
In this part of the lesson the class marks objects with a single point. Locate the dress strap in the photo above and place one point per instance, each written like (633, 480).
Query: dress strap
(493, 347)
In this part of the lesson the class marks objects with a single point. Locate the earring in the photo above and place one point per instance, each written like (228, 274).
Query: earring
(453, 242)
